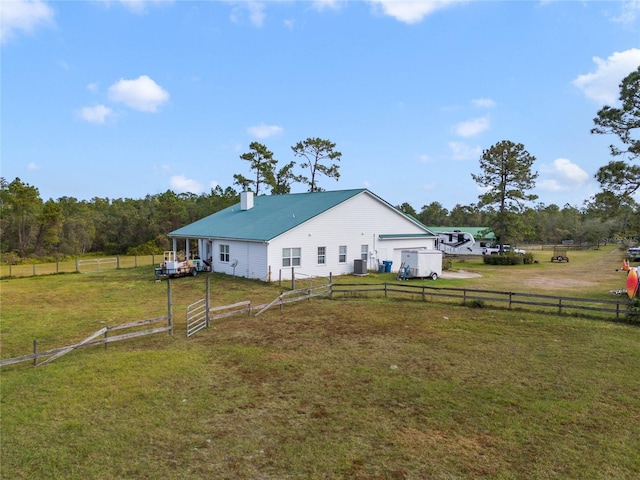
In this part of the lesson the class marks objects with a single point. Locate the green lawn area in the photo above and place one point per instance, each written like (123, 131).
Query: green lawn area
(365, 388)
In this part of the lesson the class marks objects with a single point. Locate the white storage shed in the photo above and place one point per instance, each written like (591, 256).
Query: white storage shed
(421, 263)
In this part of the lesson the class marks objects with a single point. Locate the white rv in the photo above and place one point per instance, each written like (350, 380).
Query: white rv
(457, 243)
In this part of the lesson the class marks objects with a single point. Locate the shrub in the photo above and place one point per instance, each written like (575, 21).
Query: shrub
(148, 248)
(504, 259)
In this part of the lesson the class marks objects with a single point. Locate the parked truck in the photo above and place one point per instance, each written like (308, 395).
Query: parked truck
(175, 265)
(495, 250)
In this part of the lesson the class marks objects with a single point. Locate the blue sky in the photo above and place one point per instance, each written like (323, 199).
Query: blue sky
(123, 99)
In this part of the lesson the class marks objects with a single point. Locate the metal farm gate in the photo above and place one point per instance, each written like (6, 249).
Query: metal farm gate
(198, 313)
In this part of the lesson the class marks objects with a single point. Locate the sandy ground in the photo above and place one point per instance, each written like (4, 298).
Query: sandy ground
(459, 274)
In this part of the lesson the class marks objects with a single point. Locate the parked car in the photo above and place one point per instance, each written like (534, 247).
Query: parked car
(633, 253)
(495, 250)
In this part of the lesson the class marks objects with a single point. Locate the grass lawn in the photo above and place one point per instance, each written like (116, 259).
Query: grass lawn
(364, 388)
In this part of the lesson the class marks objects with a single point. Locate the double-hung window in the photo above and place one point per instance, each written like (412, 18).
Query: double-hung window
(342, 254)
(224, 253)
(291, 257)
(322, 255)
(364, 252)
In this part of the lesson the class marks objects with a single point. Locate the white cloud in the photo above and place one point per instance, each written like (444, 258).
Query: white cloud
(136, 6)
(141, 94)
(424, 158)
(484, 102)
(23, 16)
(410, 11)
(471, 128)
(630, 11)
(461, 151)
(92, 87)
(33, 166)
(603, 85)
(321, 5)
(255, 11)
(96, 114)
(182, 184)
(265, 131)
(562, 174)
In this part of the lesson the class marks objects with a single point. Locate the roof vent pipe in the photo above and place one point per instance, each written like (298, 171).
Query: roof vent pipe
(246, 200)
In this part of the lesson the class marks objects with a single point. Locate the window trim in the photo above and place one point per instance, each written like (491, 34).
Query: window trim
(224, 252)
(291, 257)
(342, 254)
(322, 257)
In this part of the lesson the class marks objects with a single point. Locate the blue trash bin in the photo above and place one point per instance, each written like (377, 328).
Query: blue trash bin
(387, 265)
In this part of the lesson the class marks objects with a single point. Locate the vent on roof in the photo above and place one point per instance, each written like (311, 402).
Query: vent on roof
(246, 200)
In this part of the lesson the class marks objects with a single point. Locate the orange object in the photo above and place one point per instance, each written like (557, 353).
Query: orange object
(632, 283)
(625, 265)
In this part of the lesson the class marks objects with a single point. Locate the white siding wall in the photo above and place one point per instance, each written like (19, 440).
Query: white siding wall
(357, 222)
(250, 256)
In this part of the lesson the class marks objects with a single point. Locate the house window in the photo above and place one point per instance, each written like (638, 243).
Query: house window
(322, 255)
(224, 253)
(364, 252)
(342, 254)
(291, 257)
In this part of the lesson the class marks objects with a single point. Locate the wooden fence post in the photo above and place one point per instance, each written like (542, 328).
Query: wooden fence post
(169, 306)
(206, 301)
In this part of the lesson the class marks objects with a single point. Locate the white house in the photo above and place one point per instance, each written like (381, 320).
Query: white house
(271, 237)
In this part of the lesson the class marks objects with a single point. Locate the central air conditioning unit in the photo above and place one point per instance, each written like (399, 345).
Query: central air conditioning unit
(360, 267)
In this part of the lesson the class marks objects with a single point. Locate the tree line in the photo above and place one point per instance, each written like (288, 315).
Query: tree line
(31, 227)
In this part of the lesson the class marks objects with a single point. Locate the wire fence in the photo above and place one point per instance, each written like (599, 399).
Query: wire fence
(86, 264)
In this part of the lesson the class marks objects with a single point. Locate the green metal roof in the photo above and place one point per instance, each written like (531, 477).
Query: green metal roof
(271, 216)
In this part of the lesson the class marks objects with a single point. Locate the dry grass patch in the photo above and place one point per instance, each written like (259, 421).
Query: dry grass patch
(358, 388)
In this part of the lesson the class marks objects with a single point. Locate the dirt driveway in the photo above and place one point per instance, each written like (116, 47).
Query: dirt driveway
(459, 274)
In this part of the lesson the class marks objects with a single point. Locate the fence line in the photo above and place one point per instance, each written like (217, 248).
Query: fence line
(300, 294)
(560, 305)
(91, 340)
(74, 265)
(196, 312)
(98, 262)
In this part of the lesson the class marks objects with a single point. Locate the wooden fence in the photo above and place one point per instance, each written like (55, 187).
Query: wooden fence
(92, 340)
(77, 265)
(200, 314)
(608, 309)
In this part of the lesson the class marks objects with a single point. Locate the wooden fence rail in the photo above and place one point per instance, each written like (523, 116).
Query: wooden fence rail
(91, 340)
(561, 305)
